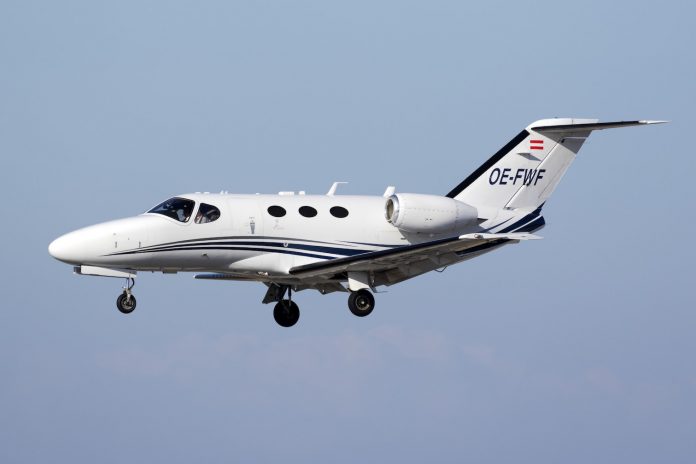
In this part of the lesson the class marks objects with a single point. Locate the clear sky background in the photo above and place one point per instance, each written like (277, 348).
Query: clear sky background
(578, 348)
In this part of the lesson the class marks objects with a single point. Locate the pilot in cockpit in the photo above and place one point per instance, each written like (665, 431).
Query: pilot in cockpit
(201, 218)
(206, 213)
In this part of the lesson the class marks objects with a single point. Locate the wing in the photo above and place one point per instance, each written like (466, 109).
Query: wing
(450, 249)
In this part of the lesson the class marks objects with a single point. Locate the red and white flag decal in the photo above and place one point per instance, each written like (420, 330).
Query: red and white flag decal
(536, 144)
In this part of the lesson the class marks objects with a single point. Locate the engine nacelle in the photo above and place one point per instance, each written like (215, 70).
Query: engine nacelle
(433, 214)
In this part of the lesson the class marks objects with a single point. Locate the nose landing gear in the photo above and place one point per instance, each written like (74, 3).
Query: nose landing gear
(126, 300)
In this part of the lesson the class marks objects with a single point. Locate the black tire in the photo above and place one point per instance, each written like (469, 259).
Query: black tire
(286, 313)
(361, 303)
(124, 304)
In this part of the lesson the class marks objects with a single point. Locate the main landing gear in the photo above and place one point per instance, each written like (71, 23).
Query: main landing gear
(361, 303)
(286, 312)
(126, 300)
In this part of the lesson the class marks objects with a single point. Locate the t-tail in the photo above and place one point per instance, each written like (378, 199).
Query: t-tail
(523, 174)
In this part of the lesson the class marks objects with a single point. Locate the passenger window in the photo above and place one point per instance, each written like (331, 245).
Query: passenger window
(339, 212)
(207, 213)
(176, 208)
(276, 211)
(308, 211)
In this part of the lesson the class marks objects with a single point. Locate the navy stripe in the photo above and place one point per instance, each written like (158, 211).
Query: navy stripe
(283, 251)
(534, 225)
(238, 237)
(375, 244)
(482, 247)
(497, 225)
(534, 214)
(488, 164)
(320, 249)
(520, 223)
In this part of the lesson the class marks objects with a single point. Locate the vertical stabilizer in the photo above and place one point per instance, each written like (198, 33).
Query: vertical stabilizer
(525, 172)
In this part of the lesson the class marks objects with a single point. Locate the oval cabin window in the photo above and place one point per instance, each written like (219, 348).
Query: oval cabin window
(276, 211)
(308, 211)
(339, 212)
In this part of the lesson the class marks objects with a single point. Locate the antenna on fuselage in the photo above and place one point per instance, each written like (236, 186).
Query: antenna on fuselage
(333, 188)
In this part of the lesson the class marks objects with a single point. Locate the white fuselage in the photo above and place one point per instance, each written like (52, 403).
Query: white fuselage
(246, 240)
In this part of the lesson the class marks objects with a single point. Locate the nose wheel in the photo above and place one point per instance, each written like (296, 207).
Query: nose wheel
(126, 300)
(125, 303)
(361, 303)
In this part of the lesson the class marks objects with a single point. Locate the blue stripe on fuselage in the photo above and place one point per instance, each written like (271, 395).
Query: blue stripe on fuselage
(211, 243)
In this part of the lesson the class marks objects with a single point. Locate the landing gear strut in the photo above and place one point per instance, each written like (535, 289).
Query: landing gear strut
(361, 303)
(126, 300)
(286, 312)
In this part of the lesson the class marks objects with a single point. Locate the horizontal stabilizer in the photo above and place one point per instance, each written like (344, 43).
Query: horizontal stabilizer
(583, 127)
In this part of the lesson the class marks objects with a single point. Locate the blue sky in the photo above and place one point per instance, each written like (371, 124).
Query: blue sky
(577, 348)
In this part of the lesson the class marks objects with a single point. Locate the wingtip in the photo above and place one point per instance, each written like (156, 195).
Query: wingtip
(650, 121)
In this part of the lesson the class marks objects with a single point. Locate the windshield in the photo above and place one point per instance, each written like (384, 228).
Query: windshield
(175, 208)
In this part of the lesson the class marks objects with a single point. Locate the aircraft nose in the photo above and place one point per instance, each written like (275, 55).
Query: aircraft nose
(66, 248)
(100, 244)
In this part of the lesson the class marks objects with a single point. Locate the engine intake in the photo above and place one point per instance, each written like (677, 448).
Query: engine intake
(413, 212)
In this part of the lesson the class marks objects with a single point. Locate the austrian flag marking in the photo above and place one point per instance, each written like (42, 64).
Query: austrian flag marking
(536, 144)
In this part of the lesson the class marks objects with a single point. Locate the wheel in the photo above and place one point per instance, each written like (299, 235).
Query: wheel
(286, 313)
(125, 304)
(361, 303)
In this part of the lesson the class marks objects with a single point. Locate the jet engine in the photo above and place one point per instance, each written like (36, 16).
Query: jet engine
(432, 214)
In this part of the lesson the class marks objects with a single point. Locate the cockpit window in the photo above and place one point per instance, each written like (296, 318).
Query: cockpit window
(175, 208)
(207, 213)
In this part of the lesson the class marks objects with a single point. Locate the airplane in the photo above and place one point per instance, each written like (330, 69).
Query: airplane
(337, 243)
